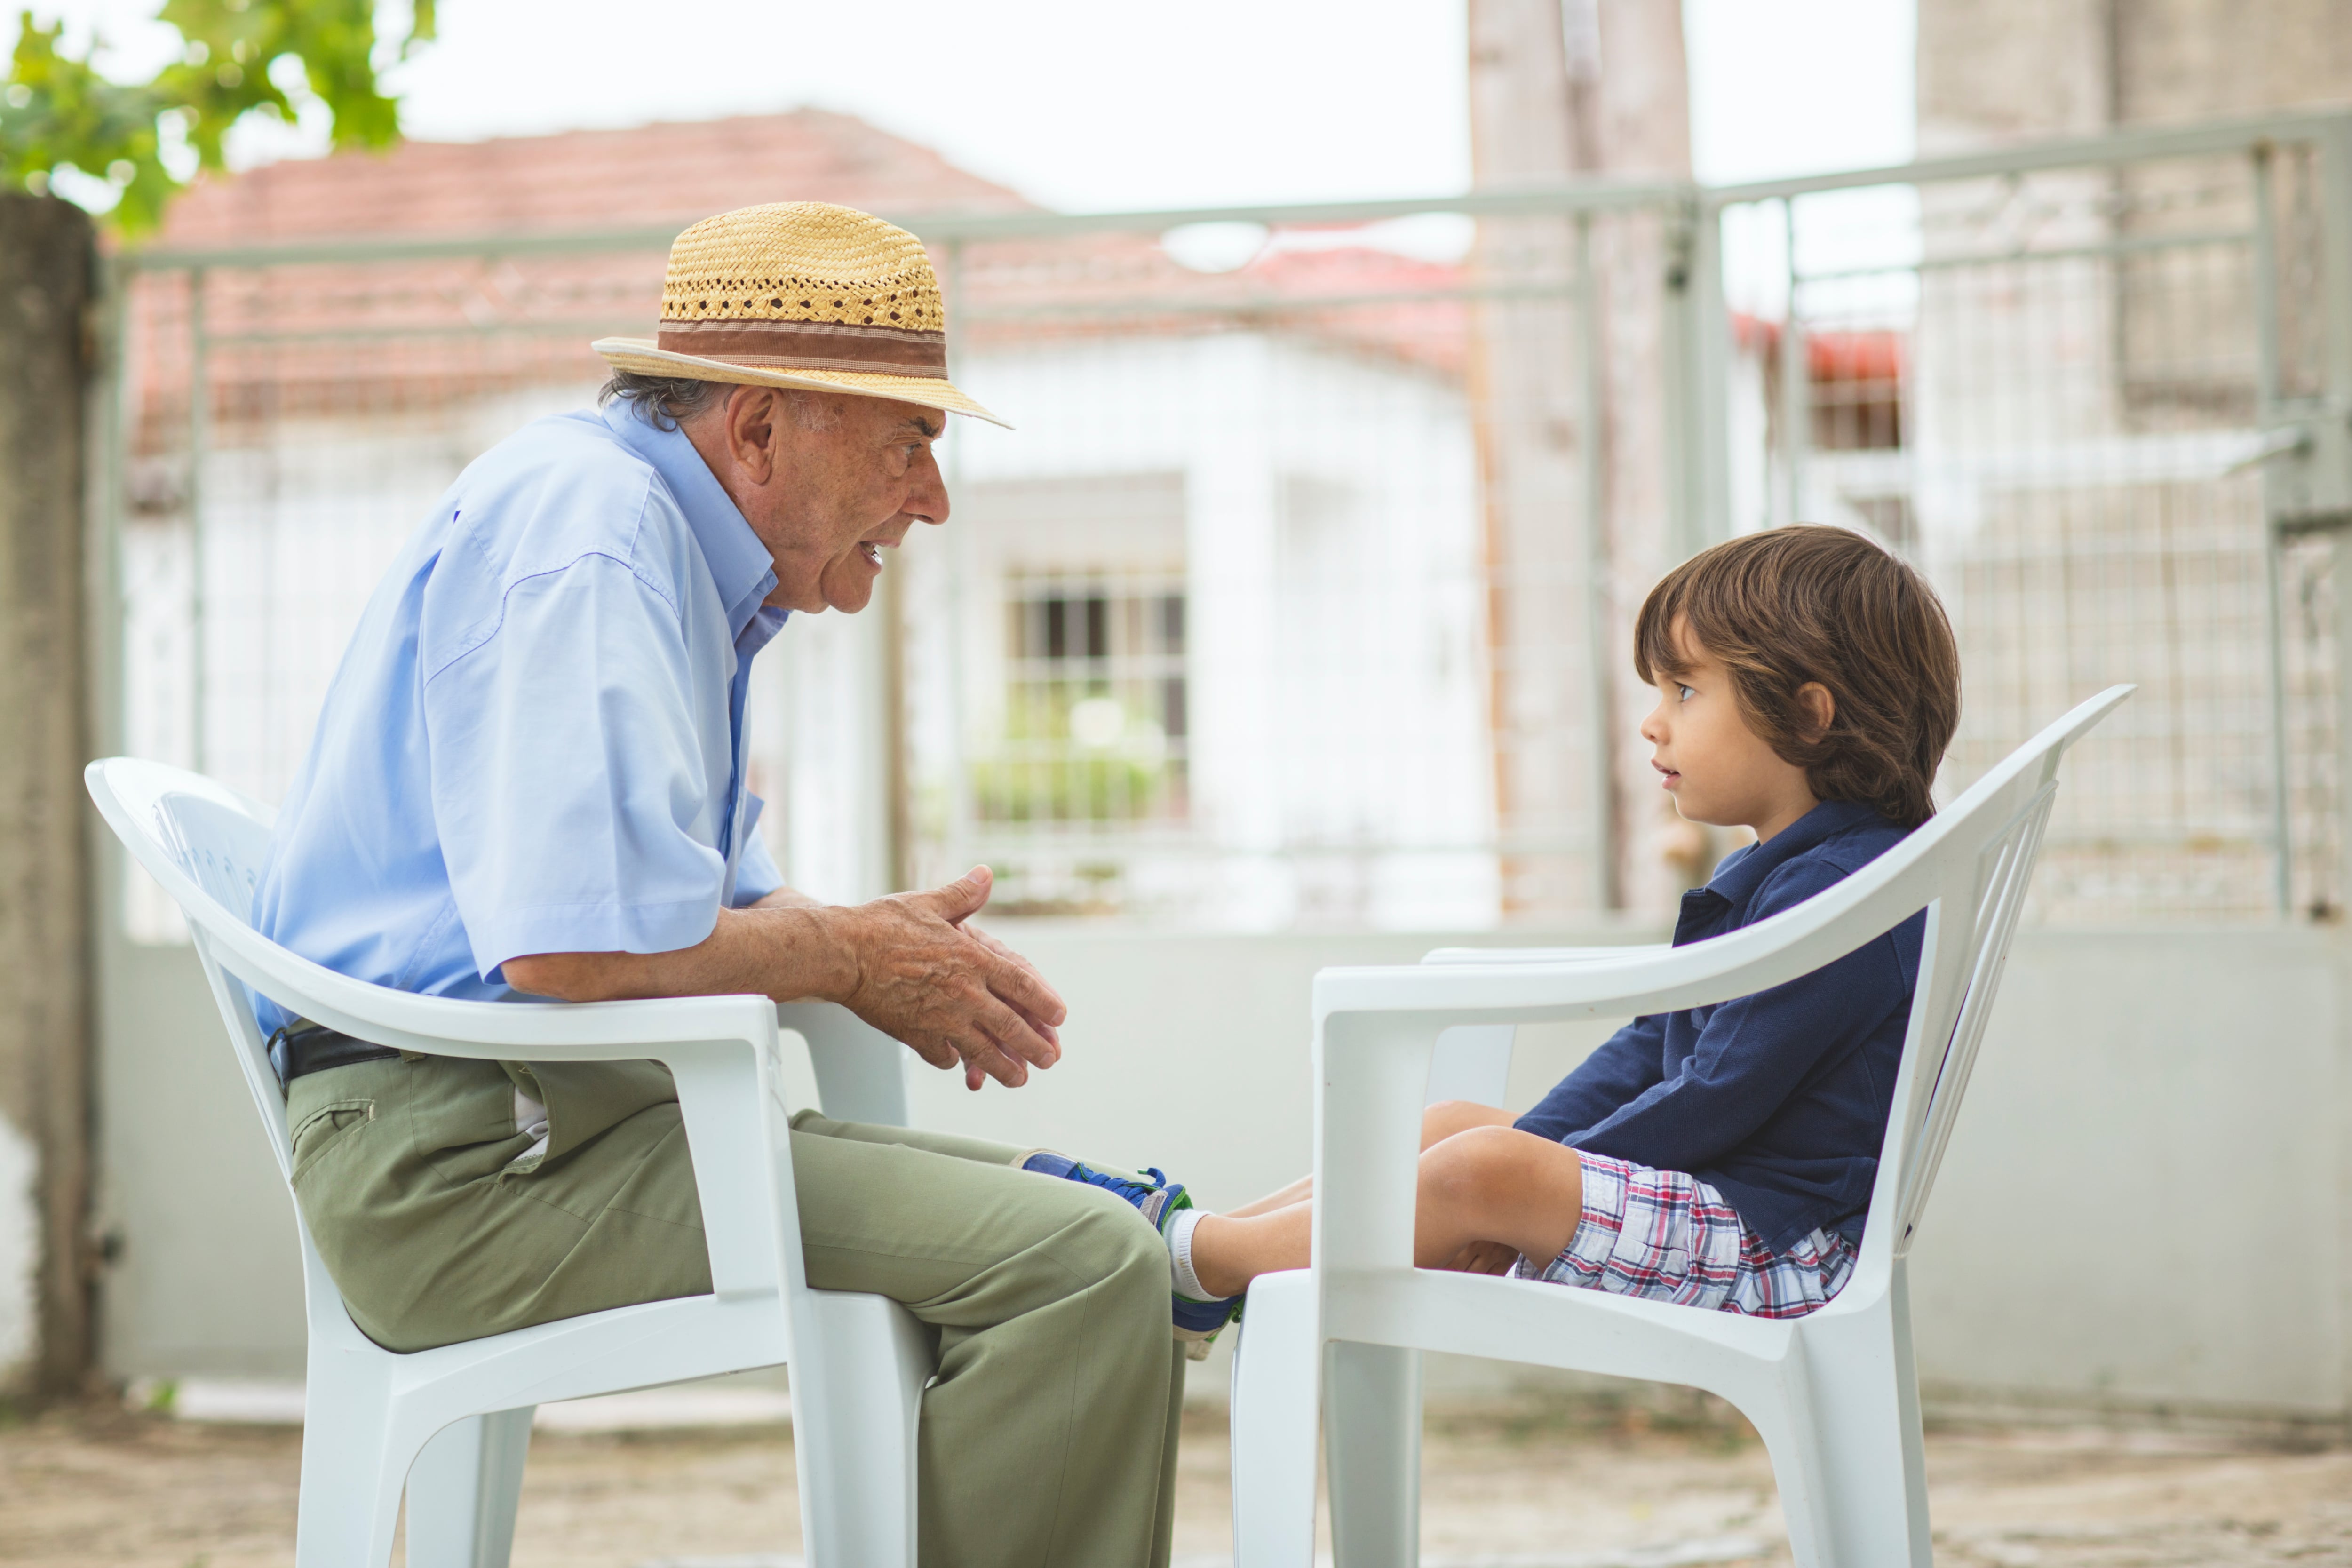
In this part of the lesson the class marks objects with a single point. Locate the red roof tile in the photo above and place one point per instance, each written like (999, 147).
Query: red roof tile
(580, 180)
(374, 338)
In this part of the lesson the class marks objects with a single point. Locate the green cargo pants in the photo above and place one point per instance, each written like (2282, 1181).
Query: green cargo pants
(1049, 1435)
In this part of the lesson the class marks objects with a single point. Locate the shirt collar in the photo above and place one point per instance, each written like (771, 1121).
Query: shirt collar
(740, 564)
(1741, 874)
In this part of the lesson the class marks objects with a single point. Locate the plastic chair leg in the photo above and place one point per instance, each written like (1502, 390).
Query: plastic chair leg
(1276, 1369)
(350, 1476)
(854, 1411)
(1872, 1464)
(463, 1492)
(1783, 1418)
(1371, 1445)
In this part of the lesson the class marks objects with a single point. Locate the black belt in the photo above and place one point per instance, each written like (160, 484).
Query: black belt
(302, 1047)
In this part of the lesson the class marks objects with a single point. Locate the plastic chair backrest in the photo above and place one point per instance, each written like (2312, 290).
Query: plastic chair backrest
(1982, 850)
(219, 839)
(1968, 868)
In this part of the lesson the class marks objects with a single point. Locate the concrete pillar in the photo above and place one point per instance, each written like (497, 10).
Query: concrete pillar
(1531, 117)
(46, 259)
(1571, 427)
(2003, 70)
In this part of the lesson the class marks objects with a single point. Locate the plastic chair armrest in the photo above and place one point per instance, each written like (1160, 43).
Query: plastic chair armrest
(1478, 955)
(1377, 1029)
(657, 1028)
(1651, 979)
(721, 1050)
(860, 1072)
(739, 1143)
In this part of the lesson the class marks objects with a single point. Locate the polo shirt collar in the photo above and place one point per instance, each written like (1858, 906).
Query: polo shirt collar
(1739, 878)
(740, 564)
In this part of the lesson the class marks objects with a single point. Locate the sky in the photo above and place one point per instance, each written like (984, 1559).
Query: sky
(1084, 104)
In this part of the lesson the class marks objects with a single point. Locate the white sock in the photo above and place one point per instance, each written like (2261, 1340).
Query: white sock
(1178, 1235)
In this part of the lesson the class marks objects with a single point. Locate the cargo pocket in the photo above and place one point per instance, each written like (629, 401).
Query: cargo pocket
(326, 1128)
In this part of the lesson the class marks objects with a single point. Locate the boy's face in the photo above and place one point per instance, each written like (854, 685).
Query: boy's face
(1716, 769)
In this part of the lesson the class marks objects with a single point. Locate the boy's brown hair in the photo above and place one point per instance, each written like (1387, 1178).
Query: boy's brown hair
(1789, 605)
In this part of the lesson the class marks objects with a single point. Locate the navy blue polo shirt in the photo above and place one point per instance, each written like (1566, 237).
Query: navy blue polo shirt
(1778, 1100)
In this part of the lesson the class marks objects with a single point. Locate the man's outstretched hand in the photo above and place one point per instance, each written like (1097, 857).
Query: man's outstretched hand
(906, 964)
(952, 993)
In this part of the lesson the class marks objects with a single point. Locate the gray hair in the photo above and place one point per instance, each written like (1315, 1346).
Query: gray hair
(661, 401)
(666, 401)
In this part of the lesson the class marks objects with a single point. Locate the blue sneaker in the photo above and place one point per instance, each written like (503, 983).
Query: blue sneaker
(1158, 1201)
(1198, 1322)
(1155, 1199)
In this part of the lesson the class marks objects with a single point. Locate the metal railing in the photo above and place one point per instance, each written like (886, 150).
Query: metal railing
(2104, 385)
(1303, 592)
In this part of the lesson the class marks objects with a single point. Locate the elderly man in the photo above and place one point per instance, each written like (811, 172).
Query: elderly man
(529, 778)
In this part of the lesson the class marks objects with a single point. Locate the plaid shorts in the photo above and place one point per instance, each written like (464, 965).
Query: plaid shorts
(1664, 1235)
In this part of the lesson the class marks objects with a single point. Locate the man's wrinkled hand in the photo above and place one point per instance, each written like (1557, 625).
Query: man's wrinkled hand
(954, 994)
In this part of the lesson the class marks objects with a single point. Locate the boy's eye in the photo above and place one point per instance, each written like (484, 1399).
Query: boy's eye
(1684, 693)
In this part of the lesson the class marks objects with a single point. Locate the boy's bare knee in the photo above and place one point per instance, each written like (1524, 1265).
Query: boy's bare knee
(1469, 1166)
(1449, 1117)
(1442, 1120)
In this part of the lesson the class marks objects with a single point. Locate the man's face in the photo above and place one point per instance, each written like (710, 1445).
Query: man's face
(828, 482)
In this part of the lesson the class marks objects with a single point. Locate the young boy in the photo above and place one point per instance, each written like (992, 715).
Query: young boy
(1720, 1157)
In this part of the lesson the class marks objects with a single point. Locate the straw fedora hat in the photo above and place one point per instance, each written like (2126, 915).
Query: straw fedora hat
(802, 294)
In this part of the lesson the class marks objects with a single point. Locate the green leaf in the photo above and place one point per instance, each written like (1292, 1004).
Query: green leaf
(57, 112)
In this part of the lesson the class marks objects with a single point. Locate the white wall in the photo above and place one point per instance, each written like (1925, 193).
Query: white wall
(2146, 1199)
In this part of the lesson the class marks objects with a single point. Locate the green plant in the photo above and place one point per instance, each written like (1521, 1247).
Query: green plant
(57, 112)
(1079, 789)
(1075, 752)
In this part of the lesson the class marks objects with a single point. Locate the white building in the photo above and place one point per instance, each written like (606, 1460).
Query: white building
(1205, 640)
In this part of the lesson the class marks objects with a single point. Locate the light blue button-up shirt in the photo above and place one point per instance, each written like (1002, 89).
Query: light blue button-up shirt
(535, 741)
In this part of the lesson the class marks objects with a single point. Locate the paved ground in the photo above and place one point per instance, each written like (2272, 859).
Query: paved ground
(100, 1487)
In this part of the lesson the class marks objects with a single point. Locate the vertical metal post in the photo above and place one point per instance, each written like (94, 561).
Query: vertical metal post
(1677, 430)
(109, 421)
(1710, 395)
(200, 434)
(2266, 378)
(1796, 400)
(2282, 844)
(2266, 317)
(1601, 750)
(959, 579)
(2334, 171)
(896, 843)
(2333, 168)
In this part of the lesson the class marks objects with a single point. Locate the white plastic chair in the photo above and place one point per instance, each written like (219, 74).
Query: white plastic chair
(1834, 1393)
(454, 1423)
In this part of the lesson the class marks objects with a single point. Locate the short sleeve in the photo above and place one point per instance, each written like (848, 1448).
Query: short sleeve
(756, 875)
(570, 780)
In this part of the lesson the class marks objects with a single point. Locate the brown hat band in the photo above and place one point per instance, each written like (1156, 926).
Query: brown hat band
(810, 345)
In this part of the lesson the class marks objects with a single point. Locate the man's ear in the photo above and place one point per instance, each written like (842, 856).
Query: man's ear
(754, 425)
(1817, 708)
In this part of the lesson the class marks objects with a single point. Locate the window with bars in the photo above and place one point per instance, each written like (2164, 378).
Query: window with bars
(1095, 706)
